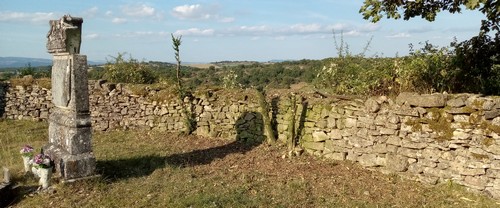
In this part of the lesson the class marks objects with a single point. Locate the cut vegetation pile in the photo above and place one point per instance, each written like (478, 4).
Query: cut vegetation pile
(143, 168)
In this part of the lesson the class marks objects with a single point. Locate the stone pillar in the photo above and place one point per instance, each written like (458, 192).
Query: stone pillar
(70, 131)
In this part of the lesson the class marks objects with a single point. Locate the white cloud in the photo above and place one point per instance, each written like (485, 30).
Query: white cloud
(195, 32)
(90, 12)
(353, 33)
(399, 35)
(299, 29)
(227, 19)
(92, 36)
(421, 29)
(138, 10)
(370, 27)
(313, 30)
(194, 11)
(309, 28)
(37, 17)
(108, 13)
(199, 12)
(254, 29)
(339, 27)
(117, 20)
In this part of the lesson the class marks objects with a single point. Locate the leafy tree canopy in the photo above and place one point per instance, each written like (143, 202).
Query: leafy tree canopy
(374, 10)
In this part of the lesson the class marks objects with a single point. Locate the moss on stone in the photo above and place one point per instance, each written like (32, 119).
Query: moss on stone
(415, 124)
(439, 122)
(478, 104)
(488, 127)
(468, 109)
(479, 156)
(475, 118)
(488, 141)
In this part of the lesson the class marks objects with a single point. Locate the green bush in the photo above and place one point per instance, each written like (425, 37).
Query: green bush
(128, 71)
(426, 70)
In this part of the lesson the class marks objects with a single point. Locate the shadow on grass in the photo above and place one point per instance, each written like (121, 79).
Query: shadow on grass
(206, 156)
(249, 134)
(130, 167)
(115, 170)
(248, 127)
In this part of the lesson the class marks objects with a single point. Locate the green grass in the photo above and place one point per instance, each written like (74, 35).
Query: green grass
(153, 169)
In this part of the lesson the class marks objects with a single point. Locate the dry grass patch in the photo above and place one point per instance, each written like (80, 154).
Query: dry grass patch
(143, 168)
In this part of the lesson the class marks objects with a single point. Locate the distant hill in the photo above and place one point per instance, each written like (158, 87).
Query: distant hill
(15, 62)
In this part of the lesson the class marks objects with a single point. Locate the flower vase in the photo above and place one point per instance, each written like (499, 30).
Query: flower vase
(34, 170)
(27, 164)
(45, 175)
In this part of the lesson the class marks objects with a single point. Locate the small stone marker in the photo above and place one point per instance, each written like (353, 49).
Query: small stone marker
(5, 188)
(70, 131)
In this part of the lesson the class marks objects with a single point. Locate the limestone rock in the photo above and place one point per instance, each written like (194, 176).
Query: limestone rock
(368, 160)
(336, 155)
(314, 145)
(372, 106)
(426, 101)
(396, 163)
(319, 136)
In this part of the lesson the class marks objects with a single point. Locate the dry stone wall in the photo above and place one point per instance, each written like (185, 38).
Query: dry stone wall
(431, 138)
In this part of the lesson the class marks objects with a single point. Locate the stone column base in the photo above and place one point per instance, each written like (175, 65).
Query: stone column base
(69, 166)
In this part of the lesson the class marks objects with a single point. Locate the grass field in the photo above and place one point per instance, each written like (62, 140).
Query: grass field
(143, 168)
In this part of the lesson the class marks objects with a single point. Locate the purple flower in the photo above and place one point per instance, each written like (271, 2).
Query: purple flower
(42, 161)
(27, 151)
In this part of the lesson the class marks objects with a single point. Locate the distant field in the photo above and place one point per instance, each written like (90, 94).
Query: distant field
(202, 66)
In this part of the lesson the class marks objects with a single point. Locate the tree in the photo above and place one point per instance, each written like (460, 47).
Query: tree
(176, 42)
(374, 10)
(187, 107)
(477, 60)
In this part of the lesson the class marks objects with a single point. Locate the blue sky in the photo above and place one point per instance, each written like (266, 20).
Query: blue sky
(217, 30)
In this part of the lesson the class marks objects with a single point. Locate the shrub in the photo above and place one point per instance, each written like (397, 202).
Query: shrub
(426, 70)
(355, 74)
(128, 71)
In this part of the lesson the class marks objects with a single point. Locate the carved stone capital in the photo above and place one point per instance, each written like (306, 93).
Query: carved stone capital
(65, 35)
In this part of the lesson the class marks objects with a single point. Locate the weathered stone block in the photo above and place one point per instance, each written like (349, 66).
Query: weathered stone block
(321, 124)
(331, 123)
(456, 102)
(336, 155)
(414, 145)
(415, 168)
(335, 134)
(314, 145)
(493, 174)
(359, 142)
(426, 101)
(379, 148)
(350, 122)
(459, 169)
(412, 153)
(394, 140)
(319, 136)
(431, 154)
(71, 166)
(491, 114)
(368, 160)
(407, 112)
(476, 182)
(387, 131)
(396, 163)
(427, 163)
(372, 106)
(69, 82)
